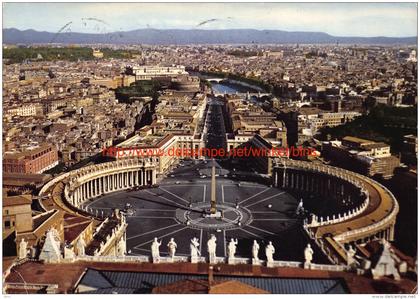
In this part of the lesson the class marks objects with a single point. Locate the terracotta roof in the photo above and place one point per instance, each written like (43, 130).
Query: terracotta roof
(195, 286)
(234, 287)
(71, 233)
(68, 274)
(17, 200)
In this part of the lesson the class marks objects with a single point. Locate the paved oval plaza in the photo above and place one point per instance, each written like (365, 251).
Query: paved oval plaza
(250, 211)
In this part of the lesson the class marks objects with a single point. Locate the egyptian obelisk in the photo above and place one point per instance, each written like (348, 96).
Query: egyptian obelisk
(213, 190)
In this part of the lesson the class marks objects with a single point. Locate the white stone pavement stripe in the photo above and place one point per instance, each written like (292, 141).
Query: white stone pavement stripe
(153, 231)
(246, 185)
(266, 212)
(182, 185)
(160, 237)
(99, 208)
(93, 202)
(173, 194)
(276, 219)
(253, 204)
(249, 233)
(204, 193)
(167, 199)
(223, 195)
(246, 199)
(152, 217)
(263, 230)
(158, 210)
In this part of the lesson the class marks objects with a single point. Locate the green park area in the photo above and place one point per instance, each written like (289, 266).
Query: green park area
(144, 88)
(383, 124)
(21, 54)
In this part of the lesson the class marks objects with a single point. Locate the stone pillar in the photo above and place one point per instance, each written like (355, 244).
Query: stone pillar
(284, 179)
(275, 178)
(85, 186)
(95, 187)
(391, 232)
(90, 188)
(154, 176)
(136, 178)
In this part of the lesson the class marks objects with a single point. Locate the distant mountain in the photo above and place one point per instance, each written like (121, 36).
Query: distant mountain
(194, 36)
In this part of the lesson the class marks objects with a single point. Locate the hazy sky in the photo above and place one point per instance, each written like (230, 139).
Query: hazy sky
(345, 19)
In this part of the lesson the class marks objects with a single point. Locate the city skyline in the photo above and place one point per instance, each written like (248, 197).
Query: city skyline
(343, 19)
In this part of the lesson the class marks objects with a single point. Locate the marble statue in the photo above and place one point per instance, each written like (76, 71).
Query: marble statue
(155, 250)
(300, 209)
(211, 248)
(350, 256)
(269, 252)
(386, 264)
(194, 248)
(69, 253)
(172, 248)
(314, 219)
(308, 253)
(122, 247)
(80, 246)
(23, 249)
(255, 250)
(232, 248)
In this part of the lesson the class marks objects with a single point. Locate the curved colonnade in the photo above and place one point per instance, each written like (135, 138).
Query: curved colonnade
(81, 185)
(371, 208)
(371, 213)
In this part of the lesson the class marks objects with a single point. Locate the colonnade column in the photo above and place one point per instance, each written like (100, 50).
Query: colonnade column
(154, 176)
(136, 177)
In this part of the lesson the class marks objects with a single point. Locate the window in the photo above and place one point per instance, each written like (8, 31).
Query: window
(7, 224)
